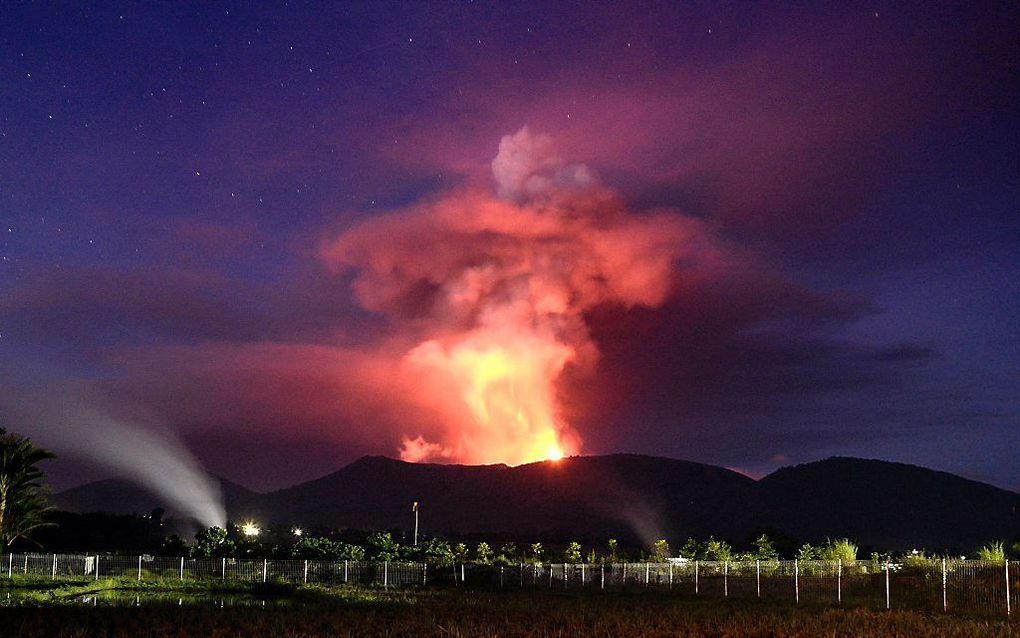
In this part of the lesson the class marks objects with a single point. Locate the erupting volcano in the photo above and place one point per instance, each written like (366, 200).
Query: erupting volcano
(487, 295)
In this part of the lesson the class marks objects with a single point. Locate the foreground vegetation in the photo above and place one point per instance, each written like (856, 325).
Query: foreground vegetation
(307, 612)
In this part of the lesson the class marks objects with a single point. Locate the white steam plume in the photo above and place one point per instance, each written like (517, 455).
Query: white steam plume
(156, 460)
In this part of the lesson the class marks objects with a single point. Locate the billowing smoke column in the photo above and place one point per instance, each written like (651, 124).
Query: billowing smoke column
(488, 295)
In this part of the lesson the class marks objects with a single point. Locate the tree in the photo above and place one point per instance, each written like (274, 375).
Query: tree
(173, 545)
(612, 547)
(23, 506)
(435, 551)
(311, 547)
(381, 546)
(660, 550)
(483, 553)
(692, 550)
(808, 551)
(460, 553)
(717, 550)
(764, 549)
(536, 552)
(349, 551)
(572, 553)
(212, 543)
(508, 554)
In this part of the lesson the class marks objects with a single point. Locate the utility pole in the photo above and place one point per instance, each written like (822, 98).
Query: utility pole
(414, 508)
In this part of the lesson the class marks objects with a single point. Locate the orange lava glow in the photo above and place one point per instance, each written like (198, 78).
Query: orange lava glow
(504, 385)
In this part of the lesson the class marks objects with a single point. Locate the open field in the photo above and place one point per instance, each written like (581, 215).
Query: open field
(115, 608)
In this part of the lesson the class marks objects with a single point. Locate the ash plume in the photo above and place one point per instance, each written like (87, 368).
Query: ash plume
(489, 293)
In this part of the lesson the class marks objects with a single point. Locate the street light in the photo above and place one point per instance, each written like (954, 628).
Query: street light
(414, 508)
(297, 531)
(250, 529)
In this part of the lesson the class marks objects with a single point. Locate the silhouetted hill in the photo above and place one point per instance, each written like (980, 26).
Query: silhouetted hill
(879, 504)
(590, 496)
(124, 496)
(885, 504)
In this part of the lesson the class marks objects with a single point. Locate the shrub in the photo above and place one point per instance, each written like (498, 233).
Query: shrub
(914, 558)
(992, 551)
(840, 549)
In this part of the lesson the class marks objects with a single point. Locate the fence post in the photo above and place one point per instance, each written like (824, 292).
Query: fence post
(462, 573)
(582, 574)
(564, 575)
(306, 571)
(424, 574)
(945, 601)
(522, 575)
(53, 574)
(550, 575)
(1008, 610)
(455, 583)
(139, 567)
(646, 574)
(345, 572)
(182, 568)
(223, 569)
(726, 579)
(386, 574)
(265, 569)
(757, 577)
(625, 574)
(603, 585)
(10, 565)
(97, 567)
(888, 602)
(671, 576)
(501, 577)
(796, 579)
(839, 582)
(695, 578)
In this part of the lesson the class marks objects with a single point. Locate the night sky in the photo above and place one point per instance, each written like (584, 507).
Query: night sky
(218, 222)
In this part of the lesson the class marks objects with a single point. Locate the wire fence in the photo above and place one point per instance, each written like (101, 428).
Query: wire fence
(966, 587)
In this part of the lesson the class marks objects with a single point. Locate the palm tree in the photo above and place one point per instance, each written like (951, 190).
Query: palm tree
(23, 506)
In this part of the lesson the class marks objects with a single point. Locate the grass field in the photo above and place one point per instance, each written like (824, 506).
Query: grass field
(44, 609)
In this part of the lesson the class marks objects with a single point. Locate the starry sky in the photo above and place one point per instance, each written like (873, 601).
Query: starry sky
(171, 174)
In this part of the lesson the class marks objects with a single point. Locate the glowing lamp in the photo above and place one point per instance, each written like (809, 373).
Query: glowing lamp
(250, 529)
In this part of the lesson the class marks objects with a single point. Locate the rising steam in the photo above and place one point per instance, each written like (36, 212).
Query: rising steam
(489, 292)
(133, 449)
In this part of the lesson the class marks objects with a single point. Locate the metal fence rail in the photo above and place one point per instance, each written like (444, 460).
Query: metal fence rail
(967, 587)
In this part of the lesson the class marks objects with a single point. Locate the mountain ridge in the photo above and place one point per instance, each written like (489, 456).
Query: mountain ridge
(879, 503)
